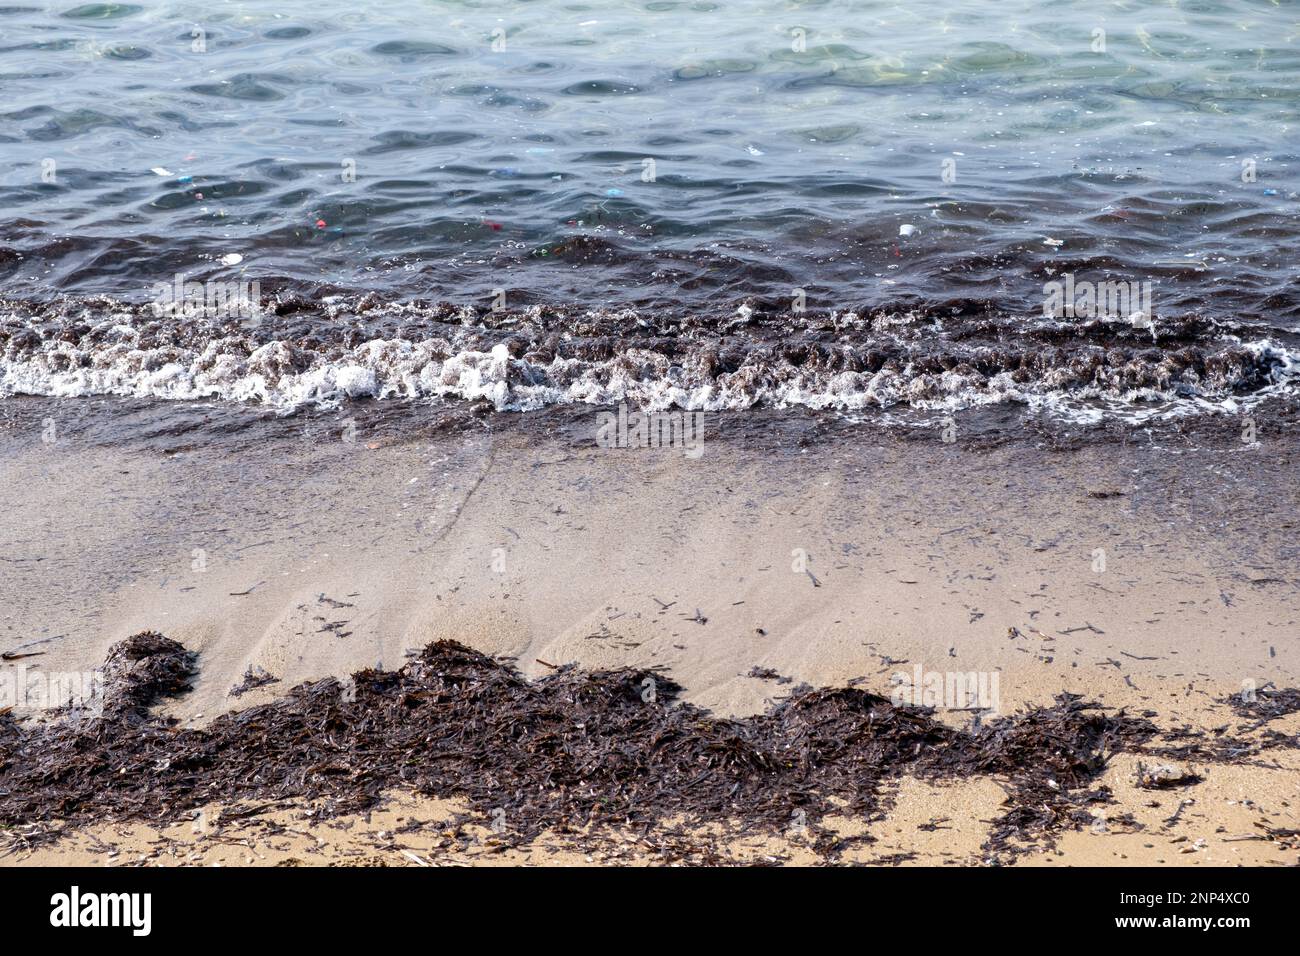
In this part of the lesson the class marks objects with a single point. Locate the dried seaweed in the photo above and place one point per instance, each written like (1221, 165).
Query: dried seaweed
(254, 677)
(768, 673)
(140, 671)
(572, 751)
(1266, 703)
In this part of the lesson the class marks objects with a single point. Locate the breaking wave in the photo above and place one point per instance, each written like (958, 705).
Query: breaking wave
(941, 358)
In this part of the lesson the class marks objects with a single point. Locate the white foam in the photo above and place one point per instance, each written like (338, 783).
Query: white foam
(285, 376)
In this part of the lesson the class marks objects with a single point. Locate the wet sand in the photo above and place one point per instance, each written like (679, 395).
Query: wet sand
(1156, 574)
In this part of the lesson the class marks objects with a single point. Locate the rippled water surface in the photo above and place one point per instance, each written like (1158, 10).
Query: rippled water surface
(910, 173)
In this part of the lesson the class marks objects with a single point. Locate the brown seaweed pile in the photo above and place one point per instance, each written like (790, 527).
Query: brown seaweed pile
(573, 751)
(141, 670)
(1266, 704)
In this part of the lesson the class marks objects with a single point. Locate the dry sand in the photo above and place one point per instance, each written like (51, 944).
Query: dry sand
(844, 555)
(928, 825)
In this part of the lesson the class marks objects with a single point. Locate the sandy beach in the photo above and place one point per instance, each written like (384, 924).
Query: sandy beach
(1152, 576)
(847, 434)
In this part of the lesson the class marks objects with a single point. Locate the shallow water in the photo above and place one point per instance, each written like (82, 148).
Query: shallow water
(910, 175)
